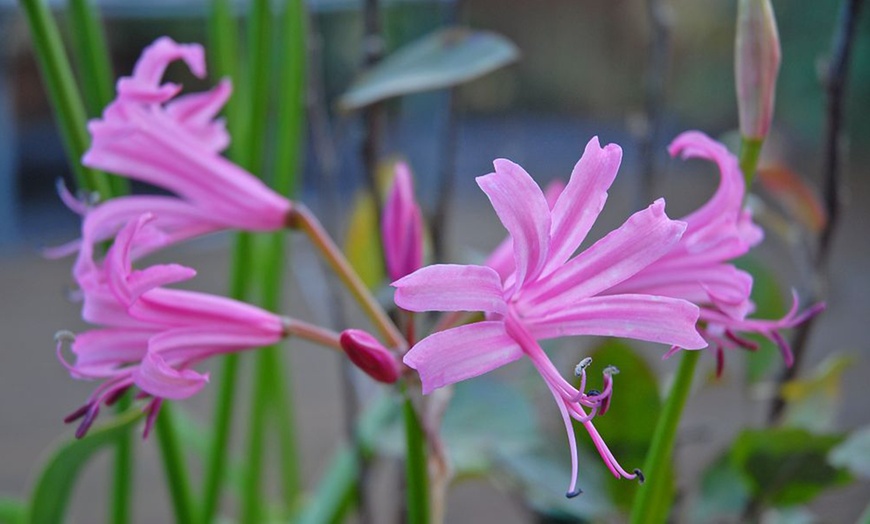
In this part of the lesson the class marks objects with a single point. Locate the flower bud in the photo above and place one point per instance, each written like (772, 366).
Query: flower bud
(369, 355)
(402, 226)
(756, 66)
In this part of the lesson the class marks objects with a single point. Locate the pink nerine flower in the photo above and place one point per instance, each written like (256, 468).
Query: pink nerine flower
(550, 294)
(402, 226)
(152, 336)
(699, 269)
(173, 142)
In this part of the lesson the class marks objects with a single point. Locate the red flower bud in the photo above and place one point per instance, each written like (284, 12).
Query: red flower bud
(369, 355)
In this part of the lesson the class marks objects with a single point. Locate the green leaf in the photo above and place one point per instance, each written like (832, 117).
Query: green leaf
(813, 402)
(768, 297)
(487, 417)
(633, 413)
(786, 466)
(12, 511)
(543, 478)
(853, 454)
(724, 493)
(363, 243)
(445, 58)
(54, 486)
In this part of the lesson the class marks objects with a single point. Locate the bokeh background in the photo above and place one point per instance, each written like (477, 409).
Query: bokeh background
(583, 72)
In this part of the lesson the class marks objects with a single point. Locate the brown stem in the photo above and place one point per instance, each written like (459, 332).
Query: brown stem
(835, 86)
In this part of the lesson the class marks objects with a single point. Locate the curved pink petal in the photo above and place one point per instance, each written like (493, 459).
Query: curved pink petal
(144, 85)
(642, 317)
(179, 307)
(640, 241)
(101, 351)
(582, 200)
(522, 208)
(728, 199)
(451, 287)
(460, 353)
(197, 113)
(155, 377)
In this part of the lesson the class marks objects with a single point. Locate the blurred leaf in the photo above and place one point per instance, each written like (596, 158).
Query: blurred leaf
(633, 413)
(798, 198)
(768, 297)
(486, 416)
(12, 511)
(363, 243)
(724, 493)
(853, 453)
(54, 486)
(813, 402)
(543, 478)
(786, 466)
(445, 58)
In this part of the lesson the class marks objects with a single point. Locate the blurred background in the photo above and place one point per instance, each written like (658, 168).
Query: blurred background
(584, 70)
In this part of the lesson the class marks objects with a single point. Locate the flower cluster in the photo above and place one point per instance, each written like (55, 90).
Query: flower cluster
(653, 279)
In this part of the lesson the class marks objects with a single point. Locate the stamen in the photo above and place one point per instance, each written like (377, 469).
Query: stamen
(153, 409)
(89, 419)
(62, 338)
(572, 494)
(115, 396)
(593, 393)
(77, 414)
(640, 478)
(611, 370)
(581, 366)
(720, 361)
(740, 341)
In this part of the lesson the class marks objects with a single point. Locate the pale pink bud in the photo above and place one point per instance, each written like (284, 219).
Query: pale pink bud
(369, 355)
(402, 226)
(756, 66)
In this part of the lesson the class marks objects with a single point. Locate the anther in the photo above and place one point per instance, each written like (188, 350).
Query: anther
(77, 414)
(572, 494)
(581, 366)
(593, 393)
(611, 370)
(65, 335)
(640, 478)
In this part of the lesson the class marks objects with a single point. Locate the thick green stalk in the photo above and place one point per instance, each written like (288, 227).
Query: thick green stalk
(173, 462)
(63, 93)
(251, 503)
(651, 495)
(122, 476)
(95, 69)
(223, 40)
(416, 469)
(750, 151)
(251, 152)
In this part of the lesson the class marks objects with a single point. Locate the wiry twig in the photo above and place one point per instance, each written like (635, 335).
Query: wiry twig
(654, 94)
(835, 86)
(447, 174)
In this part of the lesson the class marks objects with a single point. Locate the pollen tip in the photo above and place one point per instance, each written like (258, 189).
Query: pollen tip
(581, 366)
(611, 370)
(64, 335)
(572, 494)
(640, 478)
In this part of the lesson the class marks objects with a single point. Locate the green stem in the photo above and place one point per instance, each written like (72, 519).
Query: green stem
(303, 219)
(122, 480)
(750, 151)
(651, 495)
(281, 403)
(416, 469)
(95, 70)
(251, 152)
(63, 93)
(173, 462)
(251, 502)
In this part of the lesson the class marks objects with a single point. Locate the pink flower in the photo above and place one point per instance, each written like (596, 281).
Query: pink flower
(550, 294)
(699, 269)
(151, 337)
(173, 142)
(402, 226)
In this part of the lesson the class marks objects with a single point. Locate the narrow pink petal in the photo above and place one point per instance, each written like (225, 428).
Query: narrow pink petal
(640, 241)
(522, 208)
(100, 351)
(402, 227)
(643, 317)
(582, 200)
(178, 307)
(197, 111)
(451, 287)
(155, 377)
(144, 84)
(449, 356)
(728, 199)
(140, 281)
